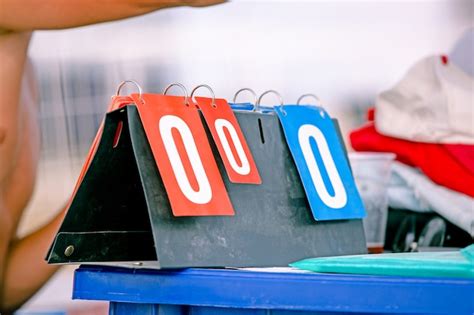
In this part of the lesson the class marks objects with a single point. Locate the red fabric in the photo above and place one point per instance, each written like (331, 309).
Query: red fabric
(451, 166)
(444, 59)
(464, 154)
(371, 114)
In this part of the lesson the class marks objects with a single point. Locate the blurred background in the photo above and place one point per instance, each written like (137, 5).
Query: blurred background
(346, 52)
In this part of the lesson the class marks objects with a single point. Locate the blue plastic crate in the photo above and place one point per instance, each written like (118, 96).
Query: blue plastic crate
(232, 292)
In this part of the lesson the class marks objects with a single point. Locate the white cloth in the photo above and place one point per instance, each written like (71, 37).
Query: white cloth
(411, 189)
(402, 196)
(432, 103)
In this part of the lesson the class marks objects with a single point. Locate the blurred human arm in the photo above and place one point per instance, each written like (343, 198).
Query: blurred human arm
(22, 267)
(13, 50)
(25, 268)
(27, 15)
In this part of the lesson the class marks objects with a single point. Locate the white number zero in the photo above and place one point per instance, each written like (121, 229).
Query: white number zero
(305, 133)
(220, 125)
(204, 193)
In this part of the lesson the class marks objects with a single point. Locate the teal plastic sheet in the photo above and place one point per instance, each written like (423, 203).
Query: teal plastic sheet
(458, 264)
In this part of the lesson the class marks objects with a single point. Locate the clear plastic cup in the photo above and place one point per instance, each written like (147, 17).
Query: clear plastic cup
(372, 175)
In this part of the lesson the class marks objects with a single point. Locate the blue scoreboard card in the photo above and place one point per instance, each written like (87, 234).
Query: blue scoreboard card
(321, 162)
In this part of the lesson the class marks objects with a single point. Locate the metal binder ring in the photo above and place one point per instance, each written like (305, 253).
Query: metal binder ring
(186, 95)
(243, 90)
(213, 103)
(318, 101)
(259, 100)
(121, 85)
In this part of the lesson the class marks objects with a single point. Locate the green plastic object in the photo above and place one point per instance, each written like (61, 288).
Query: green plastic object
(457, 264)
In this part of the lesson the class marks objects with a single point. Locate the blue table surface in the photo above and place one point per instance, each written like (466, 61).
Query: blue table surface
(276, 290)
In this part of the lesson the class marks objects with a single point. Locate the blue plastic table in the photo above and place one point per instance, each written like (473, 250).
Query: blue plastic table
(235, 292)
